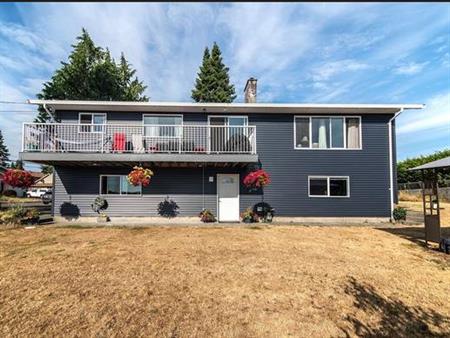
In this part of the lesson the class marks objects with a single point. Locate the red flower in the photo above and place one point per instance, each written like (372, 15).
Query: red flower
(257, 179)
(18, 178)
(140, 175)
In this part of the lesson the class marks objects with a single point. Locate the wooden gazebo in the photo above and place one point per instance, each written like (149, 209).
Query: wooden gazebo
(430, 197)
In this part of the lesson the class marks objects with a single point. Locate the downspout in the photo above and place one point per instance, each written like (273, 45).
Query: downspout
(391, 162)
(52, 120)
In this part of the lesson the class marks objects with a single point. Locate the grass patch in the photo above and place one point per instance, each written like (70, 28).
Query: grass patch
(221, 282)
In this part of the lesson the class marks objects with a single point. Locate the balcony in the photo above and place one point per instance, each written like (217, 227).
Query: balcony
(56, 142)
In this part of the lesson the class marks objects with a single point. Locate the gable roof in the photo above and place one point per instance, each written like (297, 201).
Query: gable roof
(442, 163)
(191, 107)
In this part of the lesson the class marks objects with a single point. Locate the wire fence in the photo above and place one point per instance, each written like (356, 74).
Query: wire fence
(418, 185)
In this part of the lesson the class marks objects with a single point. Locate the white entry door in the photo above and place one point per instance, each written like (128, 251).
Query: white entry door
(228, 197)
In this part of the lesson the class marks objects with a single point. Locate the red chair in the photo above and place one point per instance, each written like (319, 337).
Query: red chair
(119, 142)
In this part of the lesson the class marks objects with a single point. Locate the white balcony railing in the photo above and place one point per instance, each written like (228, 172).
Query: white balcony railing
(125, 138)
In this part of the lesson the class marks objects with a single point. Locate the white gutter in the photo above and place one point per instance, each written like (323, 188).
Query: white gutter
(187, 107)
(391, 162)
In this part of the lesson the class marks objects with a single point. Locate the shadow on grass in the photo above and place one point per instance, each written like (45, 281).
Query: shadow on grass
(414, 234)
(395, 318)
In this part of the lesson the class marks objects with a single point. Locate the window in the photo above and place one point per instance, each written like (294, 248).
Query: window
(225, 129)
(93, 122)
(328, 186)
(118, 185)
(325, 132)
(234, 123)
(163, 125)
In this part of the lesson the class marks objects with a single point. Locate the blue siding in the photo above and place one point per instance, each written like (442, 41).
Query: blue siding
(368, 170)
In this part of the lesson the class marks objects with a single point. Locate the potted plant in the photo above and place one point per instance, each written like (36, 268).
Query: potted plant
(264, 211)
(257, 179)
(206, 216)
(248, 216)
(102, 218)
(99, 205)
(31, 216)
(140, 175)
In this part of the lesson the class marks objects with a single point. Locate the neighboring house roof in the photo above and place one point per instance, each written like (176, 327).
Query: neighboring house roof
(46, 180)
(37, 175)
(442, 163)
(186, 107)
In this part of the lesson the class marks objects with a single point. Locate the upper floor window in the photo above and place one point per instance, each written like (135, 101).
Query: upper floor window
(234, 124)
(327, 132)
(93, 122)
(163, 125)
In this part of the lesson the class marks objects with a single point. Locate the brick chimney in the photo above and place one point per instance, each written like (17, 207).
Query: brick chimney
(250, 90)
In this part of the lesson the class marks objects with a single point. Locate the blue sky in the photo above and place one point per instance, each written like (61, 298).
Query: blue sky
(320, 53)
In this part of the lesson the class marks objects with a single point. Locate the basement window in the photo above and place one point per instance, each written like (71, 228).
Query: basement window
(118, 185)
(328, 186)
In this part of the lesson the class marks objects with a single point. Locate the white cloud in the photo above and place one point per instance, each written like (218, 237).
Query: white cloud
(328, 70)
(298, 52)
(410, 68)
(436, 116)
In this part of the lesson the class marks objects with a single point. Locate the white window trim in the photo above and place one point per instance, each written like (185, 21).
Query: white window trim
(165, 115)
(228, 116)
(345, 117)
(120, 186)
(328, 186)
(245, 117)
(80, 125)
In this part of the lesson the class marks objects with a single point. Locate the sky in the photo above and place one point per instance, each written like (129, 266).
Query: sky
(299, 52)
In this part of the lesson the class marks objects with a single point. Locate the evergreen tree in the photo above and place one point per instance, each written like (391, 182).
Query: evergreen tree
(46, 169)
(201, 91)
(17, 165)
(91, 74)
(213, 82)
(4, 153)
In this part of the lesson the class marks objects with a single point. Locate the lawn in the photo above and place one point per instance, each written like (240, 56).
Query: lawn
(11, 199)
(222, 282)
(418, 207)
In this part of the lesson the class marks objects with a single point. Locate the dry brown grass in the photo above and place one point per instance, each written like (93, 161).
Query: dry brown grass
(221, 282)
(405, 196)
(418, 207)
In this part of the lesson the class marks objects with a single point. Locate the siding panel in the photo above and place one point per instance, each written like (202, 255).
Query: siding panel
(368, 170)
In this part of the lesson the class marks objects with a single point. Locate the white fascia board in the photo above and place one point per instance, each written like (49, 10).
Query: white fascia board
(224, 107)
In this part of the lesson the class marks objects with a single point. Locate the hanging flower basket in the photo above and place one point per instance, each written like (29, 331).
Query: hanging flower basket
(18, 178)
(140, 175)
(257, 179)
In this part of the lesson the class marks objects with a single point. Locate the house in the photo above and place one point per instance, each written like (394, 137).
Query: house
(325, 160)
(42, 181)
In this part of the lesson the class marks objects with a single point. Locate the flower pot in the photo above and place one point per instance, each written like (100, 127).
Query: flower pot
(101, 219)
(247, 220)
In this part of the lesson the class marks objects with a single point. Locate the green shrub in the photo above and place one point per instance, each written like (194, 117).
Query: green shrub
(10, 193)
(13, 215)
(399, 214)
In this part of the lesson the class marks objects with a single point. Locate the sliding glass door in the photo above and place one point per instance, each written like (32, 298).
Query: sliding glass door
(223, 129)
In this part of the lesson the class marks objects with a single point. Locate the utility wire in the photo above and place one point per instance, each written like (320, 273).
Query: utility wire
(18, 111)
(14, 102)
